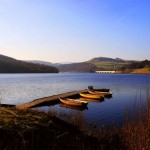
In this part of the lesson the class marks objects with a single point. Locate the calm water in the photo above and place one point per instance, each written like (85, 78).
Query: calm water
(126, 88)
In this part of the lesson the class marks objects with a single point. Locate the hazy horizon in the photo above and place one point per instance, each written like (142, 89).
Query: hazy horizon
(76, 61)
(88, 60)
(74, 31)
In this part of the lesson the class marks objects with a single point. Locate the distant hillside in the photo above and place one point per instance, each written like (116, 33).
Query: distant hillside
(39, 62)
(106, 59)
(68, 67)
(77, 67)
(137, 67)
(11, 65)
(43, 63)
(105, 63)
(99, 63)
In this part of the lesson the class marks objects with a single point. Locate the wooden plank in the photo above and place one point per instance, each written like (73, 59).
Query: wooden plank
(53, 98)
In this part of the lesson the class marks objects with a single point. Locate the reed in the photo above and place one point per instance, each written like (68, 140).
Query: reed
(106, 137)
(136, 130)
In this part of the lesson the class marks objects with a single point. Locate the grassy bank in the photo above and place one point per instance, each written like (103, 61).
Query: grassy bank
(32, 129)
(141, 71)
(136, 71)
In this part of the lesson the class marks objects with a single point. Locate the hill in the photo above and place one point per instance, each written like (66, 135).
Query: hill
(39, 62)
(43, 63)
(136, 67)
(105, 63)
(77, 67)
(11, 65)
(99, 63)
(106, 59)
(67, 67)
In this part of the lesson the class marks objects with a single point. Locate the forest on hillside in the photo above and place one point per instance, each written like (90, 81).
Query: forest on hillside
(10, 65)
(77, 67)
(136, 65)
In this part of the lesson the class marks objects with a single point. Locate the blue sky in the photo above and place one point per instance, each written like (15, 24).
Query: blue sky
(75, 30)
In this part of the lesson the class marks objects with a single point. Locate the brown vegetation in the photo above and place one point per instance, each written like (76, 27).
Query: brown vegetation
(142, 71)
(142, 67)
(32, 129)
(26, 129)
(136, 131)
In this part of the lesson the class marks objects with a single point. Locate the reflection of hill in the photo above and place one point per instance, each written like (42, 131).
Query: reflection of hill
(10, 65)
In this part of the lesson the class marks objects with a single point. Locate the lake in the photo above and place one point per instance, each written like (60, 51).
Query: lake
(127, 89)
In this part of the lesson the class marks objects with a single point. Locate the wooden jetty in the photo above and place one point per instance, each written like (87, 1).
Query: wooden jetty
(48, 100)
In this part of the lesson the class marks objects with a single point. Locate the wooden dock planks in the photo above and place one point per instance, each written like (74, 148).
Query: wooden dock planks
(54, 98)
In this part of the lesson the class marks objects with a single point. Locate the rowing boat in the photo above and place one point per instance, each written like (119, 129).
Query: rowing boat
(73, 107)
(93, 96)
(100, 90)
(105, 94)
(73, 102)
(91, 100)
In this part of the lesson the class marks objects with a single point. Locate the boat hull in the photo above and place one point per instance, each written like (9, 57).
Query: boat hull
(72, 102)
(92, 96)
(73, 107)
(100, 90)
(91, 100)
(105, 94)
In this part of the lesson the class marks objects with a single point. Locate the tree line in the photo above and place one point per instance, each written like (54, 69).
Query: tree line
(136, 65)
(10, 65)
